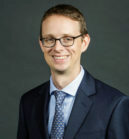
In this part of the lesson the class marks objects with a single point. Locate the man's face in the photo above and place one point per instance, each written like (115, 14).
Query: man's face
(60, 58)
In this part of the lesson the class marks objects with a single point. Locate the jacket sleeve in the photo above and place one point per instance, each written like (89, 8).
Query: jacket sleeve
(119, 122)
(22, 128)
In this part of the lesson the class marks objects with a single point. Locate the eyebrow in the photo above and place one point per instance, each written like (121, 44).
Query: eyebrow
(51, 35)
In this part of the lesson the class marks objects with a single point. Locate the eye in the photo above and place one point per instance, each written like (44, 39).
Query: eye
(67, 39)
(49, 40)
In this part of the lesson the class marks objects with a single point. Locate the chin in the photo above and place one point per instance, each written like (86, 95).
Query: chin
(60, 70)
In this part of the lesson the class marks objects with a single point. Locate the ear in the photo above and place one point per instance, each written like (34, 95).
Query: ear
(86, 41)
(41, 45)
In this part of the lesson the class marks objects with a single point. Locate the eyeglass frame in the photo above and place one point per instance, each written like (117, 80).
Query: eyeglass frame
(41, 39)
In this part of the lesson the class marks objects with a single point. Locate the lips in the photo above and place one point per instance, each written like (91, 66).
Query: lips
(60, 58)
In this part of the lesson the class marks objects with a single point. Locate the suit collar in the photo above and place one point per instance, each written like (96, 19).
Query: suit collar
(81, 106)
(88, 84)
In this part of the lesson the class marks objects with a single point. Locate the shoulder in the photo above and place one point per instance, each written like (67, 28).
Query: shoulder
(109, 90)
(103, 91)
(36, 92)
(115, 105)
(111, 97)
(108, 97)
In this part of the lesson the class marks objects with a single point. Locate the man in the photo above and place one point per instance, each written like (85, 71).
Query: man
(73, 104)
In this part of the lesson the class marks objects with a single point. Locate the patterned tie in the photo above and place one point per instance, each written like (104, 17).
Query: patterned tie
(58, 121)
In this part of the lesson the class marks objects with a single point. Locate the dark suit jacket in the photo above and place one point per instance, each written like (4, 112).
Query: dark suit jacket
(99, 112)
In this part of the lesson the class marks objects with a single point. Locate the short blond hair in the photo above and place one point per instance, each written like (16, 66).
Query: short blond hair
(67, 11)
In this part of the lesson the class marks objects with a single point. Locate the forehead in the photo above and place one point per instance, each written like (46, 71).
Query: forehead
(58, 25)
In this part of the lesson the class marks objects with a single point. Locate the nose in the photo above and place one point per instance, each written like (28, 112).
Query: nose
(58, 46)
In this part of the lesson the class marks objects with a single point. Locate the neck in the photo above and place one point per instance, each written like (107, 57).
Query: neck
(62, 79)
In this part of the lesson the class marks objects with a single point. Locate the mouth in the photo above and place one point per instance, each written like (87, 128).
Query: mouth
(60, 58)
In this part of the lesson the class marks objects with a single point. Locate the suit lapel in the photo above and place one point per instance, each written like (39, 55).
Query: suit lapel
(42, 111)
(81, 106)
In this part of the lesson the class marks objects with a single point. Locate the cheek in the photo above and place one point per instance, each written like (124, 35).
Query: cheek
(47, 51)
(75, 50)
(47, 54)
(70, 51)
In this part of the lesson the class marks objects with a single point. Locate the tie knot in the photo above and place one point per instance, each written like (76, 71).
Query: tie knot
(60, 96)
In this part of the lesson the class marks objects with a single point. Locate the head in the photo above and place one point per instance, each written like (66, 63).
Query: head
(67, 11)
(63, 21)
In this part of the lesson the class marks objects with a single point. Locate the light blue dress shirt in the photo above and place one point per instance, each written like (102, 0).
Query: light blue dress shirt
(70, 90)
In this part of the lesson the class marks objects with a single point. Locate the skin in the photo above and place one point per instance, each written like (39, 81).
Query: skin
(64, 62)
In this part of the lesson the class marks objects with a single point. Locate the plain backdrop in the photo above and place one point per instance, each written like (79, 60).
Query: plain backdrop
(22, 66)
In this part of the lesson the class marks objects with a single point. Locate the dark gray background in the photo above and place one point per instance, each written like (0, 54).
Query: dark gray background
(22, 66)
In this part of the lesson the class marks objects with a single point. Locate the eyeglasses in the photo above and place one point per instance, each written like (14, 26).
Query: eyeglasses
(65, 41)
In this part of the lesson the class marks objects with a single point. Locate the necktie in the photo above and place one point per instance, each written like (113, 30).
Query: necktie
(58, 121)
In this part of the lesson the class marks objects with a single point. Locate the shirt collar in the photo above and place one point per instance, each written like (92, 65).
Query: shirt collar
(71, 88)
